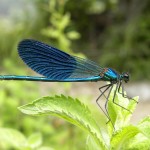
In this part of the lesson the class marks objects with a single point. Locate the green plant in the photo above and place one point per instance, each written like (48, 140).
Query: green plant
(124, 137)
(16, 139)
(60, 30)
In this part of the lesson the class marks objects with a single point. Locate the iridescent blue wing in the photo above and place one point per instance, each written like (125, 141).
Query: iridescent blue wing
(55, 64)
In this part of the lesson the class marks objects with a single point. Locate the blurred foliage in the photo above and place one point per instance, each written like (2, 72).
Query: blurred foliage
(59, 30)
(128, 40)
(117, 34)
(113, 32)
(16, 25)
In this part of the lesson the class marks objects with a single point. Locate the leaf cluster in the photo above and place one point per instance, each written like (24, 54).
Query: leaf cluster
(125, 136)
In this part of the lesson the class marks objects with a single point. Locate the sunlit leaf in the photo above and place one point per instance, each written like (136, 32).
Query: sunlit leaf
(73, 35)
(139, 142)
(35, 140)
(121, 138)
(13, 137)
(144, 126)
(71, 110)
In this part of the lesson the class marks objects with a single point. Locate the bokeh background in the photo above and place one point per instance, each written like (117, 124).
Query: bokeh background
(113, 33)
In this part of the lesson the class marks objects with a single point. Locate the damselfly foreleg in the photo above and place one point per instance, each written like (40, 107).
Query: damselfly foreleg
(107, 99)
(102, 94)
(117, 88)
(121, 91)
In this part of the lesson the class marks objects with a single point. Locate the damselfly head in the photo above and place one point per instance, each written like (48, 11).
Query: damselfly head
(125, 76)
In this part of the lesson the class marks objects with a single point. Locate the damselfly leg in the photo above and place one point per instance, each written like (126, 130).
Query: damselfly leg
(121, 91)
(103, 94)
(117, 88)
(109, 87)
(107, 99)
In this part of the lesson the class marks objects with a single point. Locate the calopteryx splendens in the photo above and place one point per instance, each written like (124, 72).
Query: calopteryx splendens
(58, 66)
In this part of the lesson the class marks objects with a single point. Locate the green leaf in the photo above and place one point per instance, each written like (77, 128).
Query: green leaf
(142, 140)
(35, 140)
(73, 35)
(45, 148)
(64, 22)
(13, 137)
(90, 144)
(71, 110)
(50, 32)
(139, 142)
(97, 7)
(120, 116)
(131, 106)
(144, 126)
(52, 4)
(121, 138)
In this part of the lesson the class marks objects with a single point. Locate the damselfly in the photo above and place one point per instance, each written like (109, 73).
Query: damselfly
(58, 66)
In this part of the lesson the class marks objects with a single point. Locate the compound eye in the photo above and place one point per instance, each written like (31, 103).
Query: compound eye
(126, 77)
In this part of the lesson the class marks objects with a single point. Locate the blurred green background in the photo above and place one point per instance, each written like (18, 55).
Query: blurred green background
(114, 33)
